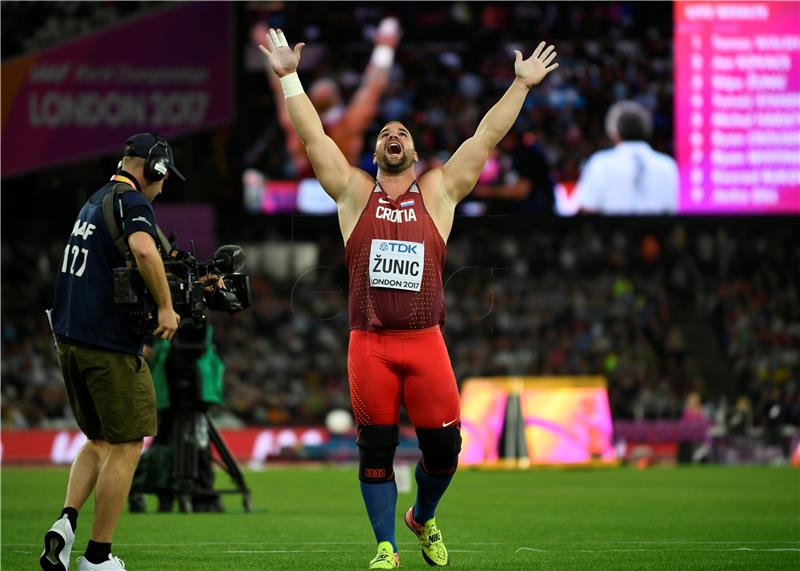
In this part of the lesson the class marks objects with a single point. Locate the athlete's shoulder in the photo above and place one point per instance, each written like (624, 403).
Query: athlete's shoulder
(431, 181)
(361, 183)
(432, 186)
(354, 199)
(360, 176)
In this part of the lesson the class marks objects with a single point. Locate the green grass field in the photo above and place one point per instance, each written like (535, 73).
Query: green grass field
(671, 518)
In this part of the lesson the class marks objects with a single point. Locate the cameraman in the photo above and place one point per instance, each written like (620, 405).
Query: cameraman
(107, 381)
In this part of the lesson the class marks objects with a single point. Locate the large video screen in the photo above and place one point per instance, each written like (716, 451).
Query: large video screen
(718, 85)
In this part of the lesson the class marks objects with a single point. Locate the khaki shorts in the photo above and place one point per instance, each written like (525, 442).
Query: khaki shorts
(111, 393)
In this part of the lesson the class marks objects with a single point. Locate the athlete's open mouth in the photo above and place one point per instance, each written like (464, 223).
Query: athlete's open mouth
(394, 148)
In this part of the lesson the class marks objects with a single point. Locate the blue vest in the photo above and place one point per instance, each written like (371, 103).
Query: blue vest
(84, 311)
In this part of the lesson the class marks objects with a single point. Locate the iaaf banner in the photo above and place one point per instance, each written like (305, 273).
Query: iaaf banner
(169, 71)
(250, 445)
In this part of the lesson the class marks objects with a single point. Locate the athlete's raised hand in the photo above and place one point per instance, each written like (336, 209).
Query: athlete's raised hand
(281, 57)
(388, 33)
(534, 69)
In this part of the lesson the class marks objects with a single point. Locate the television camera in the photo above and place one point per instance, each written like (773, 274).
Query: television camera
(190, 285)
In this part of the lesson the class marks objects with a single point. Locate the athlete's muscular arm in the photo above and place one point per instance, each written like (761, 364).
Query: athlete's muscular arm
(293, 143)
(461, 172)
(330, 165)
(364, 105)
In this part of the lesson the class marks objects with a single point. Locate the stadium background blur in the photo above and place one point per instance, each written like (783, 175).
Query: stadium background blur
(686, 317)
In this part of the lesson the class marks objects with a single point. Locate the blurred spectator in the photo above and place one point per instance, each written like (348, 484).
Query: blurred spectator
(631, 178)
(740, 421)
(693, 409)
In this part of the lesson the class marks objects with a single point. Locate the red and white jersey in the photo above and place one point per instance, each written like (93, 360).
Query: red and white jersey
(395, 260)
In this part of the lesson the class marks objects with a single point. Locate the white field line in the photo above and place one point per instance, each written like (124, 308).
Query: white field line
(740, 549)
(281, 551)
(320, 551)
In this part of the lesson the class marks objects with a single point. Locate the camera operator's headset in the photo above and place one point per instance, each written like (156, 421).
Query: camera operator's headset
(155, 169)
(157, 162)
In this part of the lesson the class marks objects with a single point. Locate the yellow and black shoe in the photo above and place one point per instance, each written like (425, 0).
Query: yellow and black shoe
(386, 557)
(430, 539)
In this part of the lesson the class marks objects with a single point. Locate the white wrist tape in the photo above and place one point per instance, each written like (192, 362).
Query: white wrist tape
(291, 85)
(382, 56)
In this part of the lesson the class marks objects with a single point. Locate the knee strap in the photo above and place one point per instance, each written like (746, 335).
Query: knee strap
(440, 448)
(376, 446)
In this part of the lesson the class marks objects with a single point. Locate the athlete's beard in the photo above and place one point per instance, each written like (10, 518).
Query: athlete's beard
(395, 166)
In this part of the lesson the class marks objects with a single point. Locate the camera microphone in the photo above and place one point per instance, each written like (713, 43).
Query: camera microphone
(229, 259)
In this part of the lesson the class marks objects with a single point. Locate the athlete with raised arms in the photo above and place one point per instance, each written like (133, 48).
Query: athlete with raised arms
(345, 121)
(395, 231)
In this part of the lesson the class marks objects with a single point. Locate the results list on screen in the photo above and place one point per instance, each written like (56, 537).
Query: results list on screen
(737, 106)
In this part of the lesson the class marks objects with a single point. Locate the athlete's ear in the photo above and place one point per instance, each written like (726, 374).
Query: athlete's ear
(374, 159)
(416, 157)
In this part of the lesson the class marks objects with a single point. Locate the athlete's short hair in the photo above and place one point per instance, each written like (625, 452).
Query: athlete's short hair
(396, 121)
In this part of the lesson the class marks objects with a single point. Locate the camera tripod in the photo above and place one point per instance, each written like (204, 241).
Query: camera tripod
(190, 440)
(192, 430)
(180, 461)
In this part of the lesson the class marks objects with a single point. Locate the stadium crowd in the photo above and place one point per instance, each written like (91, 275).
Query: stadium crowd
(39, 25)
(592, 299)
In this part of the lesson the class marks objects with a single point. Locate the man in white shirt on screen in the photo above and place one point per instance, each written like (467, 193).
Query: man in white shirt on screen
(630, 178)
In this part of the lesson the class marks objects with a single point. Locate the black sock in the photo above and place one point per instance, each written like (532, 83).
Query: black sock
(72, 514)
(97, 552)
